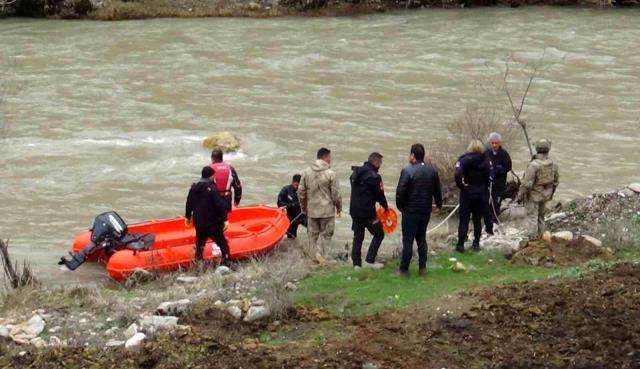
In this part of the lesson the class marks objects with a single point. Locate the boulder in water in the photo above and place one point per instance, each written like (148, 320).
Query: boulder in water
(635, 187)
(224, 141)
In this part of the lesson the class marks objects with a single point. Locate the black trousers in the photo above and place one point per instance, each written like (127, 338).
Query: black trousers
(374, 227)
(295, 220)
(414, 227)
(496, 200)
(215, 233)
(473, 207)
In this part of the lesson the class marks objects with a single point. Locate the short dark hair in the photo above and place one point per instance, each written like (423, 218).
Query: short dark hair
(296, 178)
(323, 152)
(216, 155)
(207, 172)
(418, 151)
(375, 156)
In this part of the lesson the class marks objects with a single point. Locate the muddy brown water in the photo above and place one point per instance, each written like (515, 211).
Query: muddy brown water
(111, 115)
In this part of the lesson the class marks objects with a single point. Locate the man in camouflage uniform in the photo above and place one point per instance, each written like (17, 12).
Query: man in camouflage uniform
(538, 186)
(320, 200)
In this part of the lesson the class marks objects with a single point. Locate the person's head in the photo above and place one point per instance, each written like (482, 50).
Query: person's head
(543, 146)
(216, 156)
(375, 159)
(475, 147)
(324, 154)
(416, 153)
(495, 141)
(208, 173)
(295, 181)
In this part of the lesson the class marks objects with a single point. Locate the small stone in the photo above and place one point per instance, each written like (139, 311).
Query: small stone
(563, 235)
(111, 331)
(131, 330)
(4, 332)
(458, 267)
(219, 304)
(54, 341)
(33, 327)
(115, 343)
(223, 270)
(187, 279)
(135, 341)
(256, 313)
(290, 286)
(546, 236)
(154, 323)
(592, 240)
(635, 187)
(235, 312)
(38, 343)
(176, 308)
(83, 321)
(556, 216)
(369, 366)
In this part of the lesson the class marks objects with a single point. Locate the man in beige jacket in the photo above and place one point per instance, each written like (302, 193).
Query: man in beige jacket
(319, 195)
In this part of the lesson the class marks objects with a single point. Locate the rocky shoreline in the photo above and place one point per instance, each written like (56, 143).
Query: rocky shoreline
(109, 10)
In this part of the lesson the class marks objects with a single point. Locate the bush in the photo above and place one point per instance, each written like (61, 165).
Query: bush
(476, 123)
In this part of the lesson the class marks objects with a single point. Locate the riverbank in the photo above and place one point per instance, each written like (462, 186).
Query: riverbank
(111, 10)
(285, 311)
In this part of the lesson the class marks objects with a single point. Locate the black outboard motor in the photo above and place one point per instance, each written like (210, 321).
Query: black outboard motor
(109, 233)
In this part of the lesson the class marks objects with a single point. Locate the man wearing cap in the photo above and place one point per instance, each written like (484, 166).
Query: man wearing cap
(366, 190)
(538, 187)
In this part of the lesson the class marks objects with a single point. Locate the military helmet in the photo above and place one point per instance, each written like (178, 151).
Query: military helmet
(543, 145)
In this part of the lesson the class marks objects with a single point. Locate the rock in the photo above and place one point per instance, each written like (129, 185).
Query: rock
(257, 303)
(115, 343)
(290, 286)
(55, 329)
(594, 241)
(224, 141)
(513, 212)
(546, 236)
(627, 192)
(131, 330)
(176, 308)
(31, 329)
(38, 343)
(369, 366)
(235, 312)
(238, 303)
(501, 243)
(635, 187)
(111, 331)
(256, 313)
(187, 279)
(459, 267)
(563, 235)
(135, 341)
(4, 332)
(556, 216)
(219, 305)
(223, 270)
(55, 341)
(154, 323)
(254, 6)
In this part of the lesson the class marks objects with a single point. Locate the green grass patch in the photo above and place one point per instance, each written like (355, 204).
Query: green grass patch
(344, 291)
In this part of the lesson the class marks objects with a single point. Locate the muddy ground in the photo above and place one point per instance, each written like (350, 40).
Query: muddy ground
(588, 323)
(559, 252)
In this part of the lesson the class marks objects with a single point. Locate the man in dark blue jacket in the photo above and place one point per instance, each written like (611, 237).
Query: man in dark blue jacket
(501, 166)
(419, 184)
(366, 190)
(288, 199)
(472, 176)
(207, 211)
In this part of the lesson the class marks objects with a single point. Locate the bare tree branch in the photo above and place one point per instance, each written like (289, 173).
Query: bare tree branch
(17, 277)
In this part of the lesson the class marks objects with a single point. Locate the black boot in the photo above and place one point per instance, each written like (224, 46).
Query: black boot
(460, 248)
(475, 247)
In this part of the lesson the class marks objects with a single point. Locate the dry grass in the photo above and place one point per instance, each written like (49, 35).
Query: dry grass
(476, 123)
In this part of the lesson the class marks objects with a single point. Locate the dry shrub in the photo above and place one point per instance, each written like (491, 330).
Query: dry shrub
(476, 123)
(16, 277)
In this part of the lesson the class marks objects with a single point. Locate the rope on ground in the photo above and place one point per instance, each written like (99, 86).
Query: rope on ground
(445, 219)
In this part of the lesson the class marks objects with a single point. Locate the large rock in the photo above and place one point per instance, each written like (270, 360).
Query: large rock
(176, 308)
(513, 212)
(131, 330)
(224, 141)
(154, 323)
(563, 235)
(28, 330)
(135, 341)
(635, 187)
(234, 311)
(256, 313)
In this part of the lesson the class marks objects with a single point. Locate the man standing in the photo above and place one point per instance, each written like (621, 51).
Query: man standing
(288, 199)
(501, 166)
(226, 179)
(320, 200)
(473, 171)
(419, 183)
(538, 186)
(366, 190)
(207, 211)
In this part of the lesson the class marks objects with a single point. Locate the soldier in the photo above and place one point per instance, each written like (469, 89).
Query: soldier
(538, 187)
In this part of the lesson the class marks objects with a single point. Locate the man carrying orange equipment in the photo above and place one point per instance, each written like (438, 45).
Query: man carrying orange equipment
(366, 190)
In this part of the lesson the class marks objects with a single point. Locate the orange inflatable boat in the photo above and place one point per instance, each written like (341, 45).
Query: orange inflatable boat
(171, 245)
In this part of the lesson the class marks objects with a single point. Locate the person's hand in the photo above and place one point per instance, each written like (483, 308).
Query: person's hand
(339, 215)
(187, 223)
(226, 226)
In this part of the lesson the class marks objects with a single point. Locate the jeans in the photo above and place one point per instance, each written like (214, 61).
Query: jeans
(414, 227)
(215, 233)
(375, 228)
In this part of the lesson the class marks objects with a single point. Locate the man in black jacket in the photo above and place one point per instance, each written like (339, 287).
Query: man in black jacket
(288, 199)
(473, 172)
(366, 190)
(419, 183)
(501, 166)
(207, 211)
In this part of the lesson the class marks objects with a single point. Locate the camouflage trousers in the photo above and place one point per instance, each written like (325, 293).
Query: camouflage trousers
(535, 225)
(320, 232)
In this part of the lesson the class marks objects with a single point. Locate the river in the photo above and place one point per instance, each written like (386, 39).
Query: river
(111, 115)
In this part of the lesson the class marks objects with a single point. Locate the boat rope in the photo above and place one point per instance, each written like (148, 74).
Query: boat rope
(445, 219)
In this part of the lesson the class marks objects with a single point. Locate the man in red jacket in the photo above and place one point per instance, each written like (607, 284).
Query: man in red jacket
(226, 179)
